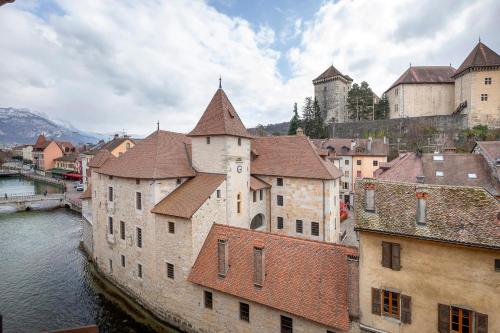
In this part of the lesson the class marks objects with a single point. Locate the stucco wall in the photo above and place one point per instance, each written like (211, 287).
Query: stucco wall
(50, 153)
(431, 273)
(485, 112)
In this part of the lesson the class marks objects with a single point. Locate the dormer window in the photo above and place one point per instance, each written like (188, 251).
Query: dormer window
(369, 197)
(472, 176)
(258, 265)
(208, 140)
(222, 257)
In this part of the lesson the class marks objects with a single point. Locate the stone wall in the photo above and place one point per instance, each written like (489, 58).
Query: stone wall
(332, 98)
(87, 235)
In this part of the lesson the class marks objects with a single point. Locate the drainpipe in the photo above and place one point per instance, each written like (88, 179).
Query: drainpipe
(324, 227)
(270, 209)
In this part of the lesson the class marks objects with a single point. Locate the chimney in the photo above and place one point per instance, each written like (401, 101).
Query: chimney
(369, 145)
(353, 144)
(299, 131)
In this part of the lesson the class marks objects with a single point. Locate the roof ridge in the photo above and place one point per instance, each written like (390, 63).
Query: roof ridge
(322, 162)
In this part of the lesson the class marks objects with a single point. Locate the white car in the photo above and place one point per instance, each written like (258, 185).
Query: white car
(79, 187)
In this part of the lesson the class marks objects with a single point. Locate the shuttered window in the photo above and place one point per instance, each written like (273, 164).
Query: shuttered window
(391, 253)
(286, 324)
(315, 228)
(110, 193)
(138, 200)
(139, 270)
(299, 226)
(457, 320)
(280, 222)
(258, 264)
(391, 304)
(139, 237)
(222, 258)
(170, 270)
(171, 227)
(110, 225)
(122, 230)
(123, 260)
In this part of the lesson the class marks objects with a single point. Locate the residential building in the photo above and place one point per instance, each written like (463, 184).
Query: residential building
(429, 258)
(422, 91)
(44, 154)
(357, 158)
(218, 231)
(68, 162)
(330, 90)
(448, 168)
(23, 151)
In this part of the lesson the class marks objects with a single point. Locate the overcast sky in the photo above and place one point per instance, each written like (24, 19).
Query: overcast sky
(108, 65)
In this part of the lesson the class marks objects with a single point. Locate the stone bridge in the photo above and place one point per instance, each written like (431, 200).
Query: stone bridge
(29, 201)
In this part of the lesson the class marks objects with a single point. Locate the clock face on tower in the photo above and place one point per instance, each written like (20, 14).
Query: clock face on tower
(239, 168)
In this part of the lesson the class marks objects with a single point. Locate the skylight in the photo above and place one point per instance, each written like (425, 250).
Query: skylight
(472, 176)
(439, 173)
(438, 158)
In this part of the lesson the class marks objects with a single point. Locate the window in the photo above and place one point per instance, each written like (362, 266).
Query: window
(170, 270)
(461, 320)
(439, 173)
(391, 256)
(396, 108)
(171, 227)
(218, 193)
(139, 237)
(299, 227)
(286, 324)
(244, 312)
(437, 158)
(279, 199)
(239, 141)
(110, 225)
(487, 80)
(110, 177)
(258, 266)
(497, 265)
(139, 271)
(472, 176)
(421, 208)
(390, 304)
(122, 230)
(280, 222)
(137, 181)
(375, 163)
(123, 260)
(261, 195)
(238, 203)
(454, 319)
(254, 196)
(110, 193)
(207, 299)
(484, 97)
(178, 181)
(345, 185)
(110, 266)
(315, 228)
(279, 181)
(346, 173)
(346, 162)
(138, 200)
(358, 174)
(208, 140)
(358, 162)
(396, 92)
(222, 257)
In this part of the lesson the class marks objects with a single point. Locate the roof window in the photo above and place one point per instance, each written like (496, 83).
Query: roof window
(437, 158)
(471, 176)
(439, 173)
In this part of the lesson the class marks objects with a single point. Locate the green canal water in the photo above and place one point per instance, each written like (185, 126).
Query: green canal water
(46, 283)
(21, 185)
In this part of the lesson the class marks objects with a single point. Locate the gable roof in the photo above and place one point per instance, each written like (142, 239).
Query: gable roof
(186, 199)
(161, 155)
(100, 158)
(480, 56)
(457, 214)
(257, 184)
(425, 74)
(303, 277)
(220, 118)
(290, 156)
(68, 158)
(41, 142)
(110, 145)
(330, 73)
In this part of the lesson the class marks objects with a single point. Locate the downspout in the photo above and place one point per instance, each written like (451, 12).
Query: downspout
(324, 227)
(270, 212)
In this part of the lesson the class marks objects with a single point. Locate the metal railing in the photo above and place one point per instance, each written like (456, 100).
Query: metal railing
(18, 197)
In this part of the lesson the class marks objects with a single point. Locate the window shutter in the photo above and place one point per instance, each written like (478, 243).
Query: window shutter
(396, 249)
(406, 309)
(481, 323)
(376, 308)
(386, 254)
(443, 318)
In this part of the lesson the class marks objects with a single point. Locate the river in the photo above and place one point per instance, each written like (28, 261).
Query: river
(46, 282)
(21, 185)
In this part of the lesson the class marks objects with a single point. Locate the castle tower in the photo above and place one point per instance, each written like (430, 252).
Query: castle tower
(221, 144)
(330, 90)
(477, 87)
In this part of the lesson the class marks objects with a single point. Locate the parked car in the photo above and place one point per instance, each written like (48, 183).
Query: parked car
(76, 184)
(79, 187)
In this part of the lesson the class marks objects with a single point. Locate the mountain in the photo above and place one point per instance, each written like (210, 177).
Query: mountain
(271, 129)
(20, 126)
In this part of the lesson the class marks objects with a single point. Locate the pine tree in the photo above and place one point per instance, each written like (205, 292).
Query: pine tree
(360, 102)
(307, 116)
(294, 122)
(382, 108)
(317, 131)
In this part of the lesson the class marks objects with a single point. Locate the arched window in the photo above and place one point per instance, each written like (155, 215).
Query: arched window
(257, 221)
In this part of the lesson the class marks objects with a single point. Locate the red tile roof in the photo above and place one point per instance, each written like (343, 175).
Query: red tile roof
(290, 156)
(257, 184)
(305, 278)
(100, 158)
(220, 118)
(331, 72)
(425, 74)
(161, 155)
(480, 56)
(185, 200)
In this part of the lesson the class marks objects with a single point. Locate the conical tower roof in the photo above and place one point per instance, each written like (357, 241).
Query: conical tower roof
(220, 118)
(480, 56)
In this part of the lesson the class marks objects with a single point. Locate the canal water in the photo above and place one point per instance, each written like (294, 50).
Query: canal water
(46, 283)
(22, 186)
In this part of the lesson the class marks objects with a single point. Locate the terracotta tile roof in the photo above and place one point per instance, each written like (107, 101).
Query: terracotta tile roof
(87, 194)
(100, 158)
(331, 72)
(220, 118)
(305, 278)
(491, 151)
(185, 200)
(465, 215)
(110, 145)
(480, 56)
(290, 156)
(455, 169)
(161, 155)
(425, 74)
(342, 147)
(68, 158)
(41, 142)
(257, 184)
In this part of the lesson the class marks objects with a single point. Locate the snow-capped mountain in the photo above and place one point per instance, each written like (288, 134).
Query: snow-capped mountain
(18, 126)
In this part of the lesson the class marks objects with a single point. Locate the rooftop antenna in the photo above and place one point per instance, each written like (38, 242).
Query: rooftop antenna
(220, 82)
(479, 38)
(158, 125)
(410, 64)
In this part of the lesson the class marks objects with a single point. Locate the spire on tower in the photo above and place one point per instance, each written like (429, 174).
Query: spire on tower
(220, 82)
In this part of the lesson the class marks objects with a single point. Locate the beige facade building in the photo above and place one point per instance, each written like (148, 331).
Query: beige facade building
(330, 90)
(217, 231)
(429, 258)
